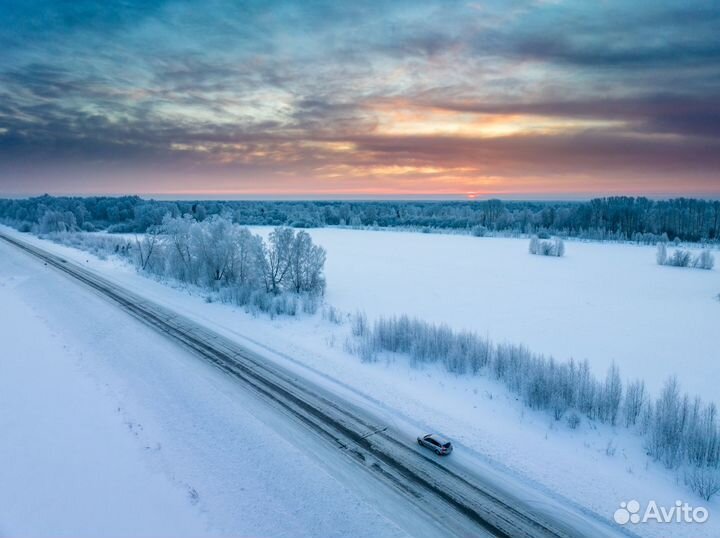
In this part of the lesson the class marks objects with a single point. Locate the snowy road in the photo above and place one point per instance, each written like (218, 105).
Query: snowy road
(460, 500)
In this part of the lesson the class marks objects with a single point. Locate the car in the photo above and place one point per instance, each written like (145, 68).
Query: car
(436, 443)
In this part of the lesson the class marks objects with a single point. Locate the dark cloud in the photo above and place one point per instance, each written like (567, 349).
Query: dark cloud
(655, 113)
(606, 55)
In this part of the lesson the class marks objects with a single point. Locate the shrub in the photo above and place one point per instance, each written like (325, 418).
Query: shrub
(704, 260)
(684, 258)
(705, 481)
(332, 314)
(554, 247)
(679, 258)
(573, 420)
(479, 231)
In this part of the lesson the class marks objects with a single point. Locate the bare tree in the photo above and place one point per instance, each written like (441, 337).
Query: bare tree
(146, 246)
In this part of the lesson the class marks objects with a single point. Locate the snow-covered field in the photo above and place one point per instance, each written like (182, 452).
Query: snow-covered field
(603, 302)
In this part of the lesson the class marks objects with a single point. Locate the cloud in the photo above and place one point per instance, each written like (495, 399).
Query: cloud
(392, 94)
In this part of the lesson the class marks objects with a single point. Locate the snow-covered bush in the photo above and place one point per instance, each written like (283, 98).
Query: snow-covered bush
(479, 231)
(573, 420)
(704, 260)
(684, 258)
(705, 481)
(543, 247)
(101, 246)
(332, 314)
(679, 258)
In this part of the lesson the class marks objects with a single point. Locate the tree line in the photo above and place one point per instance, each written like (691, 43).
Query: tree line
(681, 432)
(613, 218)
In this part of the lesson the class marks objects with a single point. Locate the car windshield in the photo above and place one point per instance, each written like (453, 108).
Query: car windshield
(446, 445)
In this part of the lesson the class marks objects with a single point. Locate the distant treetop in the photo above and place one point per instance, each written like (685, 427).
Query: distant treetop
(621, 217)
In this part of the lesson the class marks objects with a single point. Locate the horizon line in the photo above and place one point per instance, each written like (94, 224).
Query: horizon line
(409, 197)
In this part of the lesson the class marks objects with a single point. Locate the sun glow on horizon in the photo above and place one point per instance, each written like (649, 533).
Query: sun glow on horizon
(407, 119)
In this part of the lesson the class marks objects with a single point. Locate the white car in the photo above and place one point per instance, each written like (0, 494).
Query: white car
(436, 443)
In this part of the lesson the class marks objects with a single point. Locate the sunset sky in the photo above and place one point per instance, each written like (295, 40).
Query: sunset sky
(219, 98)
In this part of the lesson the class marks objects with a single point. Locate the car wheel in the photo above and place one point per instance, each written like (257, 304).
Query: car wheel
(437, 452)
(419, 442)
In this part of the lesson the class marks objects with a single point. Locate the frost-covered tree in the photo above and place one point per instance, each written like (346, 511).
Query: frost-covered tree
(661, 254)
(609, 396)
(57, 221)
(179, 261)
(214, 243)
(306, 265)
(275, 262)
(247, 261)
(634, 402)
(616, 218)
(665, 434)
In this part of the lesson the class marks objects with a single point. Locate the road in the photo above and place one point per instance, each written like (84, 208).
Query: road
(461, 500)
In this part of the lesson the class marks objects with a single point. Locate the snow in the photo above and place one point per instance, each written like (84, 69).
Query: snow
(602, 301)
(65, 465)
(108, 429)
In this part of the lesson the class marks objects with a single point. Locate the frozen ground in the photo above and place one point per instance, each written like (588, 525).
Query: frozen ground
(495, 287)
(107, 429)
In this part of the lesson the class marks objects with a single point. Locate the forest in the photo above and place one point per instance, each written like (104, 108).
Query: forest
(615, 218)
